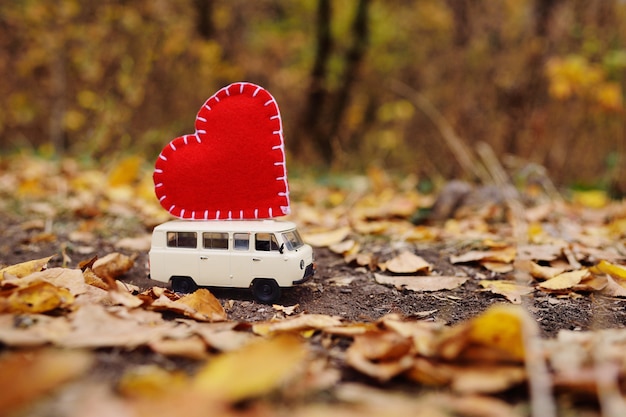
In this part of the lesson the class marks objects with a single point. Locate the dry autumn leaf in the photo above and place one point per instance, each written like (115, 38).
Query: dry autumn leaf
(327, 237)
(512, 291)
(38, 297)
(25, 268)
(565, 280)
(505, 255)
(257, 369)
(112, 265)
(200, 305)
(407, 263)
(26, 376)
(421, 283)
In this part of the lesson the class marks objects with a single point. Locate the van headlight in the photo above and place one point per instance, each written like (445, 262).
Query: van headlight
(301, 263)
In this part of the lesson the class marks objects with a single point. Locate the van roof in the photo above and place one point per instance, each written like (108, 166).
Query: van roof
(227, 226)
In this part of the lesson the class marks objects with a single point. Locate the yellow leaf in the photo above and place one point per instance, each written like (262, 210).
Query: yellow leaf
(257, 369)
(125, 172)
(512, 291)
(38, 298)
(500, 327)
(150, 381)
(616, 271)
(25, 268)
(591, 198)
(200, 305)
(566, 280)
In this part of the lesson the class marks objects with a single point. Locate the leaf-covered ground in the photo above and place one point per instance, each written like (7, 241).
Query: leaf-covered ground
(503, 306)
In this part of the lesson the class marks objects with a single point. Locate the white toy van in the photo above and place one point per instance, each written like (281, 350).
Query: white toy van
(263, 255)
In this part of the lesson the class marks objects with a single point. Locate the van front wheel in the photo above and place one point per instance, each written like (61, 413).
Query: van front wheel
(183, 284)
(265, 291)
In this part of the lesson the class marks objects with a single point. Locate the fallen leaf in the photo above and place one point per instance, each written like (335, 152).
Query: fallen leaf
(288, 311)
(544, 272)
(512, 291)
(191, 347)
(28, 375)
(380, 355)
(614, 270)
(38, 297)
(407, 263)
(565, 280)
(113, 265)
(496, 335)
(326, 238)
(421, 283)
(25, 268)
(200, 305)
(486, 379)
(258, 368)
(505, 255)
(151, 381)
(299, 323)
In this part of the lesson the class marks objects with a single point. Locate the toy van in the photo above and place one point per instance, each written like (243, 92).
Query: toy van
(263, 255)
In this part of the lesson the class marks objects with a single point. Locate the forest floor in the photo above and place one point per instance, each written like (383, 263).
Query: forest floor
(454, 317)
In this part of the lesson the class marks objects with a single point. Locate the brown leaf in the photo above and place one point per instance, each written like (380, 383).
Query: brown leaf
(421, 283)
(113, 265)
(505, 255)
(28, 375)
(200, 305)
(407, 263)
(380, 355)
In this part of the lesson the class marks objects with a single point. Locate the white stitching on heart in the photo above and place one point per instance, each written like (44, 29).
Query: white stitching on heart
(281, 147)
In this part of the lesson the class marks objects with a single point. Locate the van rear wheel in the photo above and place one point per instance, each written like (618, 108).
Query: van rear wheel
(265, 291)
(183, 284)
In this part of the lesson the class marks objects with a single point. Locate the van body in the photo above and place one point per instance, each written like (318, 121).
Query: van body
(263, 255)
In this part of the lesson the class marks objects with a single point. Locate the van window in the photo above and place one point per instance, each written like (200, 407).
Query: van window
(182, 239)
(292, 239)
(266, 242)
(242, 241)
(215, 240)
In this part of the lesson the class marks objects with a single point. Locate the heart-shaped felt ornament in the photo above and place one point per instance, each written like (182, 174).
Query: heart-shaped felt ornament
(233, 166)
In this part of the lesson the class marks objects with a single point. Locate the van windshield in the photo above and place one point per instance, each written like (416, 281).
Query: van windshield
(292, 239)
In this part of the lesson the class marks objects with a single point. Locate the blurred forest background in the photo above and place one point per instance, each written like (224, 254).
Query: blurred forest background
(409, 86)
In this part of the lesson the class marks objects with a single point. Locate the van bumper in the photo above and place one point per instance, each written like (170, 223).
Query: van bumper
(308, 273)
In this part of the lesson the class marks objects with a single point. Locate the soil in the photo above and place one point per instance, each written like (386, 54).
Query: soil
(337, 289)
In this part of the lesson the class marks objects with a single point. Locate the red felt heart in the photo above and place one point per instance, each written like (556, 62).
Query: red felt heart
(233, 167)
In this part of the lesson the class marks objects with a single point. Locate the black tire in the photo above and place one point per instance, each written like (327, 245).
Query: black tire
(265, 291)
(183, 284)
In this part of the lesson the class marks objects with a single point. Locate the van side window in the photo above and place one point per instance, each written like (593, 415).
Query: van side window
(266, 242)
(182, 239)
(242, 241)
(215, 240)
